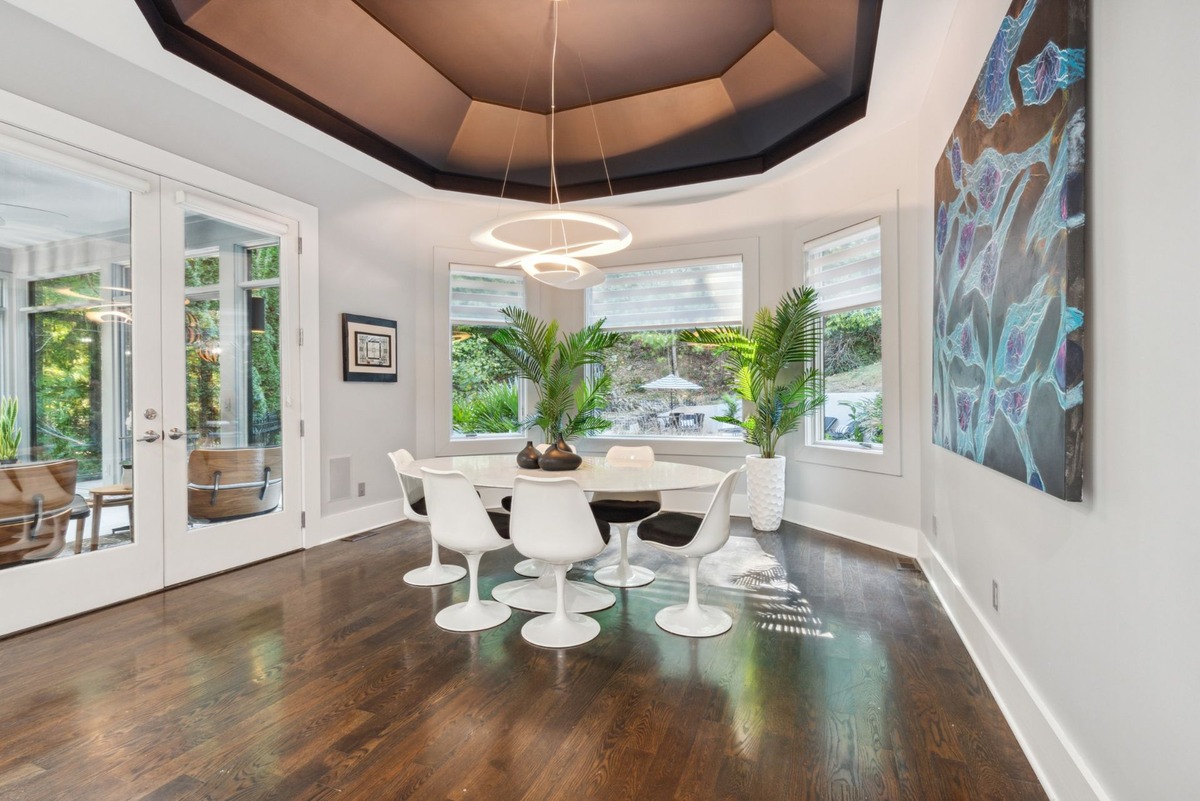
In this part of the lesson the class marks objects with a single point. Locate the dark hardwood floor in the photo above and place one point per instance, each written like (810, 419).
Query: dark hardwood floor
(321, 675)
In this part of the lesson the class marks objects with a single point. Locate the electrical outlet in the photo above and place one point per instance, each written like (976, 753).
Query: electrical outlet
(996, 595)
(362, 489)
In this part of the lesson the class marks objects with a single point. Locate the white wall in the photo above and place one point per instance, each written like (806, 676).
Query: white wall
(1093, 651)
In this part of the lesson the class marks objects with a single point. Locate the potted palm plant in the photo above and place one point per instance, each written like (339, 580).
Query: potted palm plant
(568, 402)
(773, 365)
(10, 432)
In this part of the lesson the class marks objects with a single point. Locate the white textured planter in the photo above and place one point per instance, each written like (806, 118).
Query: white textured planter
(764, 485)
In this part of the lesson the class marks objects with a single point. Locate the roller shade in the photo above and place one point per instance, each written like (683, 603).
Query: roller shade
(691, 296)
(844, 267)
(476, 298)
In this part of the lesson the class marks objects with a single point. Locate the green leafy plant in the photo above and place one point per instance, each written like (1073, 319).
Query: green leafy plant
(568, 404)
(494, 410)
(10, 433)
(772, 365)
(866, 419)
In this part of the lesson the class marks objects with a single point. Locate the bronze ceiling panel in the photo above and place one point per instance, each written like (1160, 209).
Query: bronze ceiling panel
(682, 90)
(626, 47)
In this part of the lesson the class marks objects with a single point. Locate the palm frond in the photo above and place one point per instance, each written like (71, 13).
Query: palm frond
(773, 365)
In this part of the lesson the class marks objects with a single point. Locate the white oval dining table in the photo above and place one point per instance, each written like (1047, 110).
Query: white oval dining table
(498, 471)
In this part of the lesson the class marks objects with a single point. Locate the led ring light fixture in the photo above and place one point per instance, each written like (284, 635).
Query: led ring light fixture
(559, 265)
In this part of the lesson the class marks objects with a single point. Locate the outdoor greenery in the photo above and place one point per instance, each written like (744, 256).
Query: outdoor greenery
(10, 432)
(853, 339)
(772, 365)
(568, 403)
(495, 409)
(483, 384)
(643, 356)
(65, 362)
(853, 361)
(866, 419)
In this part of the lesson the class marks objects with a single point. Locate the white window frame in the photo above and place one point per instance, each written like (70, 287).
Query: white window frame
(812, 447)
(445, 444)
(746, 250)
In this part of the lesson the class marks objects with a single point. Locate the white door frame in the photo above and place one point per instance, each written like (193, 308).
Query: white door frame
(85, 145)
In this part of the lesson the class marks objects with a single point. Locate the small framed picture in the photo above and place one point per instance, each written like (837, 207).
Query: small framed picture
(368, 348)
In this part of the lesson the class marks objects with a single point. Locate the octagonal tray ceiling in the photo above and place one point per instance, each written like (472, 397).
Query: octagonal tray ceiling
(457, 93)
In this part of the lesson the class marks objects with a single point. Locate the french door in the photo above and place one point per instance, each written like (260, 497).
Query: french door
(230, 424)
(147, 342)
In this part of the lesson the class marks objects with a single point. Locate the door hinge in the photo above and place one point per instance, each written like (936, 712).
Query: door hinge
(300, 336)
(302, 428)
(299, 244)
(303, 519)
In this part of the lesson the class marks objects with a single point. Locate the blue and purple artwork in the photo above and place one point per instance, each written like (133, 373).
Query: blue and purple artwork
(1009, 239)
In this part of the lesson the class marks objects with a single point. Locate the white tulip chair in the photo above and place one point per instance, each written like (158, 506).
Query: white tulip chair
(693, 538)
(625, 509)
(551, 521)
(459, 522)
(413, 492)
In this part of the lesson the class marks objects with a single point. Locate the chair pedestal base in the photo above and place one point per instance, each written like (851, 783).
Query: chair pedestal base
(554, 631)
(539, 595)
(532, 568)
(635, 576)
(469, 616)
(433, 575)
(694, 621)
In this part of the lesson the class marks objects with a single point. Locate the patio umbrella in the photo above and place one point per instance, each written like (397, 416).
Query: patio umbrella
(671, 383)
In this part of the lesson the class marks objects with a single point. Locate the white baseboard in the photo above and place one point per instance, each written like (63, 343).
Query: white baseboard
(343, 524)
(850, 526)
(847, 525)
(1064, 774)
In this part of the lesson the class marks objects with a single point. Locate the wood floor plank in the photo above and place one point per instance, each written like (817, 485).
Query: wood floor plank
(321, 676)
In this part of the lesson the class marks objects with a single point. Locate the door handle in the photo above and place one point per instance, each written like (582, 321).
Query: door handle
(175, 433)
(151, 436)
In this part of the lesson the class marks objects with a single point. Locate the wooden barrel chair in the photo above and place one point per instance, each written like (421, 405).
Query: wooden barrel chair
(229, 483)
(35, 508)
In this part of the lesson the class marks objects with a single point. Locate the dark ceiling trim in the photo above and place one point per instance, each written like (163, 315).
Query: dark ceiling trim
(177, 38)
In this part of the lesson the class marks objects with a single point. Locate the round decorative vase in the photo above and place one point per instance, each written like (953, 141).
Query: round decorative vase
(528, 457)
(560, 457)
(764, 485)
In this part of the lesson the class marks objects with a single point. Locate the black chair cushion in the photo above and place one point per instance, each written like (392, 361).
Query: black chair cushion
(673, 529)
(500, 521)
(79, 508)
(419, 507)
(605, 532)
(615, 510)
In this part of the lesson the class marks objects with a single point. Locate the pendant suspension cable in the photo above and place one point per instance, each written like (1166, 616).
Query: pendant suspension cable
(595, 124)
(555, 197)
(516, 129)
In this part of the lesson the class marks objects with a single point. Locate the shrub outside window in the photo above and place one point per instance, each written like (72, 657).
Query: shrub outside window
(485, 397)
(661, 387)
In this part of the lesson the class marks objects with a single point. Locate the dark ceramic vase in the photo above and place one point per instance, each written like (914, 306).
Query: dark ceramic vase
(560, 457)
(528, 457)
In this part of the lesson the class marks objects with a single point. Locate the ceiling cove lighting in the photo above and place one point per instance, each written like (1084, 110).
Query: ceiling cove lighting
(561, 264)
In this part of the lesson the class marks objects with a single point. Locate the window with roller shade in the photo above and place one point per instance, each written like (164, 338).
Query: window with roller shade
(845, 269)
(485, 396)
(661, 387)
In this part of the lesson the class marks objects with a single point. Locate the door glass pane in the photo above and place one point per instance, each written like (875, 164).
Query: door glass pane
(66, 366)
(233, 372)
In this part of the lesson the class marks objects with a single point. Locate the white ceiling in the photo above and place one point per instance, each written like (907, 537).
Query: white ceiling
(911, 36)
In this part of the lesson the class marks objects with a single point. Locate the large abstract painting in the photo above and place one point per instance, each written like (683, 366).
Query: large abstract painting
(1009, 232)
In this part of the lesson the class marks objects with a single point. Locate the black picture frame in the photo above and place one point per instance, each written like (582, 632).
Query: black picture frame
(368, 349)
